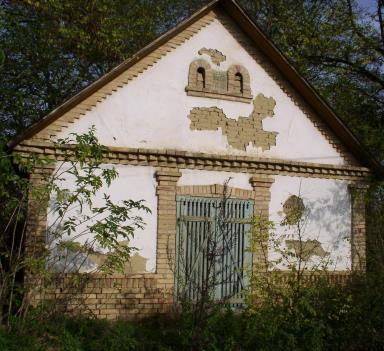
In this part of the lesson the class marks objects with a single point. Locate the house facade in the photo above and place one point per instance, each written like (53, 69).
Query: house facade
(212, 110)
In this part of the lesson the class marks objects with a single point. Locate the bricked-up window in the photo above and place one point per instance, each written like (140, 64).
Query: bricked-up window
(200, 78)
(212, 248)
(239, 88)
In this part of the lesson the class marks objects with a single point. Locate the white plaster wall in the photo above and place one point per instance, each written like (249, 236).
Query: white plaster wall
(328, 219)
(152, 110)
(197, 177)
(135, 183)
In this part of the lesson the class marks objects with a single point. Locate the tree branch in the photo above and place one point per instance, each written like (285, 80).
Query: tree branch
(353, 66)
(380, 6)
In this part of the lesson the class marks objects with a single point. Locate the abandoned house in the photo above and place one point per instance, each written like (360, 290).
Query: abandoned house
(212, 110)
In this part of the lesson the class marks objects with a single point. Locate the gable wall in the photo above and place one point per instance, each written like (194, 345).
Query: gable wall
(152, 110)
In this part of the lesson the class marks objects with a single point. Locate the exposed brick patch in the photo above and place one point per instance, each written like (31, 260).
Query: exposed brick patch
(240, 133)
(216, 56)
(305, 249)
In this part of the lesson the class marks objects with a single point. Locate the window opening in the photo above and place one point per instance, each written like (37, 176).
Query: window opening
(239, 83)
(200, 78)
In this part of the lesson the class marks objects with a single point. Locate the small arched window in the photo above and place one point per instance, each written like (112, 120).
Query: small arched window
(239, 84)
(200, 78)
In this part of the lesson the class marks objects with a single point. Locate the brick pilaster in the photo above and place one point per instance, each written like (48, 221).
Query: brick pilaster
(261, 187)
(358, 228)
(36, 229)
(166, 225)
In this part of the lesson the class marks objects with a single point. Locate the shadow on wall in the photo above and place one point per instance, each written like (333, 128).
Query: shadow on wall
(332, 215)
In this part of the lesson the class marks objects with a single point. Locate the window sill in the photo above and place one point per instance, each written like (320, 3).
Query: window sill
(222, 96)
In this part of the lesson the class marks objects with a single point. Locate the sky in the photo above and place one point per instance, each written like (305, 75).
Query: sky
(370, 5)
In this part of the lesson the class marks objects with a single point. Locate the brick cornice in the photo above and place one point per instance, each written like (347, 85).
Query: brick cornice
(197, 160)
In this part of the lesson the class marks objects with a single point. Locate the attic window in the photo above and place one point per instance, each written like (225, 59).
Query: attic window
(232, 84)
(200, 78)
(239, 84)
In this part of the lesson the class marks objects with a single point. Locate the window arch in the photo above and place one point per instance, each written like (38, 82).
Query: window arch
(199, 76)
(238, 81)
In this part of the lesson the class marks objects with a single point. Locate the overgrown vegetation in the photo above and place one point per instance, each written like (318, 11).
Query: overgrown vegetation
(81, 219)
(325, 317)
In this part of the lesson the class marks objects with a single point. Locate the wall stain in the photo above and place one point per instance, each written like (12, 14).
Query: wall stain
(135, 263)
(240, 133)
(307, 249)
(293, 209)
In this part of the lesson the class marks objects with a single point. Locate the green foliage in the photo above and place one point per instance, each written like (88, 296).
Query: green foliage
(2, 58)
(103, 227)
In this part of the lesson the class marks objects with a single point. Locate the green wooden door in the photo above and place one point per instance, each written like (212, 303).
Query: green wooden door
(212, 248)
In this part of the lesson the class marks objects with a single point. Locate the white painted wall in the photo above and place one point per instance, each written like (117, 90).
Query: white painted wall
(328, 202)
(328, 219)
(152, 110)
(136, 183)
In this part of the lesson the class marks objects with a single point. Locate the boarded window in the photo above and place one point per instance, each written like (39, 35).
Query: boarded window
(212, 248)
